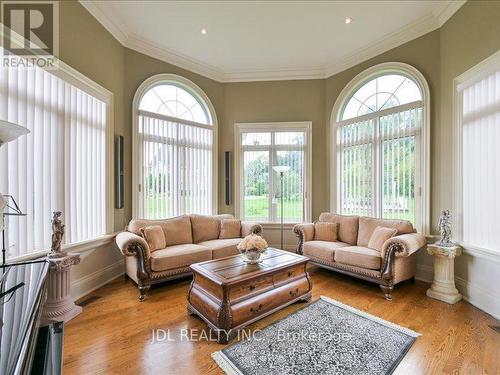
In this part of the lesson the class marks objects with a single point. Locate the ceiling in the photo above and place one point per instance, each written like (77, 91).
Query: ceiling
(268, 40)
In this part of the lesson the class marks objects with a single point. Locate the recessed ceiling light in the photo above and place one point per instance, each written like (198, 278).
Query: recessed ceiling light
(348, 20)
(203, 31)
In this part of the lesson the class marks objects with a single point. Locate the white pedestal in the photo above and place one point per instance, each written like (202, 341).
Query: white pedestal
(443, 287)
(59, 306)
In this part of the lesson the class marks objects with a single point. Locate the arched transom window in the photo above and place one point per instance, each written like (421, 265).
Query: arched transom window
(175, 141)
(380, 165)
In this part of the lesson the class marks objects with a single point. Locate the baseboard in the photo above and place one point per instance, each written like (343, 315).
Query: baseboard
(424, 273)
(95, 280)
(476, 295)
(482, 298)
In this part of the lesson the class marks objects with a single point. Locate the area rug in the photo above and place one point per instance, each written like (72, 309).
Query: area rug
(324, 337)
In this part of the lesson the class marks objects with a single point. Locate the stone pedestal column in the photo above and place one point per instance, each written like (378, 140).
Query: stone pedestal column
(59, 306)
(443, 287)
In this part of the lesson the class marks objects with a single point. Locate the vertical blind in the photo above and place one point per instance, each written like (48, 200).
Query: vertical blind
(176, 167)
(480, 112)
(261, 190)
(378, 157)
(59, 165)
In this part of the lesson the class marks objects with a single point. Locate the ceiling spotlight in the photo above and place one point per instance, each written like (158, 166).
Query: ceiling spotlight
(203, 31)
(348, 20)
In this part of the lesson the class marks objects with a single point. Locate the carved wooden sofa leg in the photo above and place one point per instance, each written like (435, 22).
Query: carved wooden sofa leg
(143, 290)
(387, 289)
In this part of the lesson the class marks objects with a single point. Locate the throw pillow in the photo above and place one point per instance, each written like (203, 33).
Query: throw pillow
(155, 237)
(324, 231)
(230, 228)
(379, 236)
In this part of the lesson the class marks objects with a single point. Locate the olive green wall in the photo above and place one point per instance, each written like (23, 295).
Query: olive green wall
(277, 101)
(467, 38)
(423, 54)
(88, 47)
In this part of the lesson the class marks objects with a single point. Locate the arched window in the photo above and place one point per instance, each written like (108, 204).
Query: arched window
(380, 132)
(174, 157)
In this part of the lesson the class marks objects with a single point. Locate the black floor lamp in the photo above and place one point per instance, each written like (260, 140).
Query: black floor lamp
(281, 169)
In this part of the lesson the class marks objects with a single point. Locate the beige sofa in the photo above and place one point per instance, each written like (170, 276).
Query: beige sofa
(189, 239)
(351, 255)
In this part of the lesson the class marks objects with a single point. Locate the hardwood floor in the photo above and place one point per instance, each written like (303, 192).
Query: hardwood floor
(113, 335)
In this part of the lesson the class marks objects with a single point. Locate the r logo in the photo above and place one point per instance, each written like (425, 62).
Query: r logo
(30, 28)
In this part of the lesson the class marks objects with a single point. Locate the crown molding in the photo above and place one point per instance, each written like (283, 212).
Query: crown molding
(115, 27)
(388, 42)
(119, 30)
(275, 74)
(446, 9)
(151, 49)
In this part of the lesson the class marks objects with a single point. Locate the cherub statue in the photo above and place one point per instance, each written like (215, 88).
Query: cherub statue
(57, 236)
(444, 226)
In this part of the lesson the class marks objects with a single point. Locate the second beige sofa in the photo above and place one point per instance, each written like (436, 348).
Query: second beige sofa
(350, 254)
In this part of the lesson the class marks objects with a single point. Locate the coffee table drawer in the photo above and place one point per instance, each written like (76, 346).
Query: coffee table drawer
(289, 274)
(254, 307)
(249, 288)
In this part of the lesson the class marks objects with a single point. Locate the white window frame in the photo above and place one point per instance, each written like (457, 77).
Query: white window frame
(336, 117)
(191, 87)
(476, 73)
(240, 128)
(82, 82)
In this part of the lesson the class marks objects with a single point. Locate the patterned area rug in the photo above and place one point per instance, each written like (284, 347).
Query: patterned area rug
(324, 337)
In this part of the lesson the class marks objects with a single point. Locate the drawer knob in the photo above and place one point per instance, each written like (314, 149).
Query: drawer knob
(290, 273)
(293, 293)
(252, 287)
(255, 310)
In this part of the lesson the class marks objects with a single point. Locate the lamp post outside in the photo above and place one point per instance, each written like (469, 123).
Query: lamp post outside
(281, 169)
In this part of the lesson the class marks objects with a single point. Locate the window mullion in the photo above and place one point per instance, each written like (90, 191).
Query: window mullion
(377, 170)
(272, 188)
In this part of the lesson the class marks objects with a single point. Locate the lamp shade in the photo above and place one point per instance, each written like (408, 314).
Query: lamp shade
(281, 168)
(10, 131)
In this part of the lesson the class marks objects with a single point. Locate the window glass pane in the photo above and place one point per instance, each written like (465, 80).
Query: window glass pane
(293, 186)
(289, 138)
(255, 139)
(171, 100)
(381, 93)
(356, 180)
(398, 179)
(256, 185)
(176, 168)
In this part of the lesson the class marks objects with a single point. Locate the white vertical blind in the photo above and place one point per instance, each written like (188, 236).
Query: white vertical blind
(378, 163)
(261, 185)
(176, 152)
(59, 165)
(480, 113)
(176, 167)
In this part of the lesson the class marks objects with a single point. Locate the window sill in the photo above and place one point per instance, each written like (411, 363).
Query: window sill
(78, 247)
(277, 225)
(471, 250)
(480, 252)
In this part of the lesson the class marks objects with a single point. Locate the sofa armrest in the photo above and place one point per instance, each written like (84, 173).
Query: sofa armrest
(403, 245)
(249, 228)
(304, 232)
(127, 243)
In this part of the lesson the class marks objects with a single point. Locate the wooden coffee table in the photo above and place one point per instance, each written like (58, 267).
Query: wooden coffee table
(229, 294)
